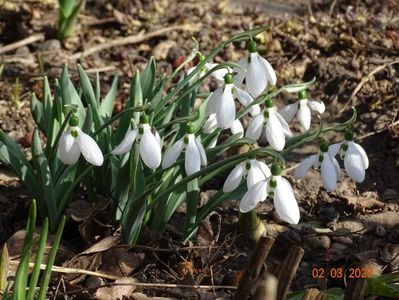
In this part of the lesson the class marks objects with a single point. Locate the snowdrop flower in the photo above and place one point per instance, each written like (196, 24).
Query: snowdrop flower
(221, 102)
(329, 167)
(275, 126)
(302, 108)
(258, 72)
(74, 141)
(355, 158)
(149, 143)
(211, 125)
(195, 155)
(252, 169)
(280, 190)
(218, 74)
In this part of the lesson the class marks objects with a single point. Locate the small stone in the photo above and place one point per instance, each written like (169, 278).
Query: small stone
(346, 240)
(317, 242)
(51, 45)
(22, 51)
(339, 246)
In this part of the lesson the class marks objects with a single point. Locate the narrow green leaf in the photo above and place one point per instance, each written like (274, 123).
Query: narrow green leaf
(89, 95)
(98, 87)
(192, 204)
(38, 113)
(38, 260)
(51, 258)
(70, 95)
(148, 80)
(107, 106)
(45, 175)
(21, 276)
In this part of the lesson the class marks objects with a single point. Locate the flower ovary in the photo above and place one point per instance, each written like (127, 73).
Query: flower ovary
(74, 121)
(252, 48)
(302, 95)
(229, 78)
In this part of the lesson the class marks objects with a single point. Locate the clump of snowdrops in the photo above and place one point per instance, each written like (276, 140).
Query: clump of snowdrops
(164, 145)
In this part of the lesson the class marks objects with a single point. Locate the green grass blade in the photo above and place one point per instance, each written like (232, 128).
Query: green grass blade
(38, 260)
(107, 106)
(47, 273)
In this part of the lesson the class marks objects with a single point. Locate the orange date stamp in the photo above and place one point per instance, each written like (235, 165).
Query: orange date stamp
(337, 273)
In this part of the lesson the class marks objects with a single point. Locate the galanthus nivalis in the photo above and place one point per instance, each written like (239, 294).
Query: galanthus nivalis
(74, 141)
(355, 158)
(276, 127)
(258, 72)
(221, 102)
(302, 109)
(218, 74)
(195, 155)
(329, 167)
(252, 169)
(149, 143)
(278, 188)
(211, 125)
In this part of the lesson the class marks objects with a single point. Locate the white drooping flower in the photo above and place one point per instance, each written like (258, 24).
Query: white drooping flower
(221, 102)
(302, 108)
(275, 126)
(195, 155)
(252, 169)
(355, 158)
(329, 167)
(278, 188)
(211, 125)
(217, 74)
(257, 71)
(149, 143)
(74, 142)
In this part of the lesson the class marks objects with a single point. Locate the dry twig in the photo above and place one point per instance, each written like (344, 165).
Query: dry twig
(29, 40)
(365, 79)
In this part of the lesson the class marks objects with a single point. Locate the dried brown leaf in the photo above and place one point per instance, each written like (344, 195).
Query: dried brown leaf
(123, 289)
(4, 267)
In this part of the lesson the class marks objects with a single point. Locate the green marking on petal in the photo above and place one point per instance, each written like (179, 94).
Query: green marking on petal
(74, 133)
(324, 147)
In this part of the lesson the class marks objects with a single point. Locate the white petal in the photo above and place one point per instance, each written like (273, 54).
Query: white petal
(274, 132)
(354, 164)
(362, 153)
(126, 143)
(158, 137)
(172, 154)
(253, 196)
(225, 108)
(265, 169)
(68, 148)
(304, 116)
(328, 173)
(150, 150)
(317, 106)
(213, 100)
(201, 151)
(334, 149)
(269, 71)
(211, 124)
(305, 166)
(284, 124)
(239, 74)
(285, 202)
(288, 112)
(218, 74)
(89, 148)
(237, 128)
(255, 174)
(254, 110)
(256, 78)
(254, 128)
(242, 96)
(234, 178)
(192, 162)
(337, 168)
